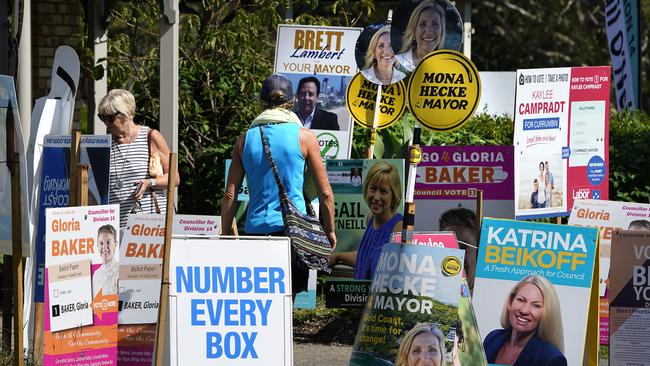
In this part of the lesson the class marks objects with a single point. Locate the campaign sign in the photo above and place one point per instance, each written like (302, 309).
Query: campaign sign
(444, 90)
(561, 139)
(449, 177)
(362, 97)
(469, 345)
(414, 293)
(351, 212)
(551, 266)
(629, 281)
(608, 216)
(55, 179)
(196, 225)
(80, 317)
(319, 62)
(141, 256)
(231, 301)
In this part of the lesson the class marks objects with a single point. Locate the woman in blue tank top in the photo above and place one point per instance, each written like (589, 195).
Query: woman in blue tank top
(382, 192)
(291, 147)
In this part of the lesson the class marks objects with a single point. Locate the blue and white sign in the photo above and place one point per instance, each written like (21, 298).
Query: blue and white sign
(230, 302)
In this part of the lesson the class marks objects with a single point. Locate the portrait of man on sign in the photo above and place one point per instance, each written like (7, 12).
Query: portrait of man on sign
(307, 109)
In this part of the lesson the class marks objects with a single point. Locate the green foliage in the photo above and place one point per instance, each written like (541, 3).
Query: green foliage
(226, 49)
(392, 142)
(629, 178)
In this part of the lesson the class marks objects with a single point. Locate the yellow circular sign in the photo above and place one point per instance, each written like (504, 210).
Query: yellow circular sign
(451, 266)
(362, 94)
(444, 90)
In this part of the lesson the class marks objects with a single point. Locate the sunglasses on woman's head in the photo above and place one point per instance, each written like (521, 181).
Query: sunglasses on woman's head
(108, 118)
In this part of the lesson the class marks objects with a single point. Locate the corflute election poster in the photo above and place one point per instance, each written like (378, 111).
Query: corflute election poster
(412, 307)
(319, 61)
(230, 302)
(81, 273)
(55, 180)
(141, 256)
(608, 216)
(629, 282)
(451, 176)
(534, 280)
(561, 139)
(351, 181)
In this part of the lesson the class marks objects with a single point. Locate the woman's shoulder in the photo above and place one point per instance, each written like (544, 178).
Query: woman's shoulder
(549, 349)
(369, 74)
(496, 333)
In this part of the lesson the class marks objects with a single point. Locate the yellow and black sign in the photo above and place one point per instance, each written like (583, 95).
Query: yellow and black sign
(451, 266)
(361, 97)
(444, 90)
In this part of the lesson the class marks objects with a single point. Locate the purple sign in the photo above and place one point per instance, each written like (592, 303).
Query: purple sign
(458, 172)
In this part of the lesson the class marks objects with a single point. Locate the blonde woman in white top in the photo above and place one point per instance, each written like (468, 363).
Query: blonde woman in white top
(425, 33)
(380, 60)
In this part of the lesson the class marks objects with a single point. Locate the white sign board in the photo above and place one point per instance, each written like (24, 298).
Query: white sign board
(230, 302)
(196, 225)
(141, 257)
(76, 238)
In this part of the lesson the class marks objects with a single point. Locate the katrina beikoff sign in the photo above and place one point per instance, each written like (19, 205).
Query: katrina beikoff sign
(231, 301)
(141, 255)
(81, 313)
(561, 139)
(608, 216)
(629, 313)
(451, 176)
(414, 286)
(327, 54)
(53, 188)
(511, 251)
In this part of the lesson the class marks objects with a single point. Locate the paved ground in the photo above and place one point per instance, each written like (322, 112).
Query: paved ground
(315, 354)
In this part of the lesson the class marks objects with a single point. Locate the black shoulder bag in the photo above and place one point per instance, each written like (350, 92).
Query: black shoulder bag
(310, 247)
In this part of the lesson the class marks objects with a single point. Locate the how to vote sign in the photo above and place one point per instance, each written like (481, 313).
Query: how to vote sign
(231, 301)
(444, 90)
(561, 139)
(362, 96)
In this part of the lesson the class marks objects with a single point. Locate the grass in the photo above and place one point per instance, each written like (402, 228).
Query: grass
(326, 325)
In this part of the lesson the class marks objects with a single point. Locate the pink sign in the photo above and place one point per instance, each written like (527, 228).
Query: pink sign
(451, 172)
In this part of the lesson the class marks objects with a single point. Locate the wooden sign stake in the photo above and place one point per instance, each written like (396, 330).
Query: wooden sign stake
(161, 329)
(16, 240)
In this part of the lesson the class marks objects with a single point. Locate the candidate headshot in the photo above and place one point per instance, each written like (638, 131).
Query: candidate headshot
(307, 109)
(425, 32)
(532, 322)
(423, 345)
(105, 277)
(640, 225)
(380, 63)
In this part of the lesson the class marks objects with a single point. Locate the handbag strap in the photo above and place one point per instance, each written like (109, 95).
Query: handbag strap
(284, 197)
(155, 201)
